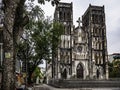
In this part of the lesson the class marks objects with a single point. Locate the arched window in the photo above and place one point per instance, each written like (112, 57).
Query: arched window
(97, 73)
(64, 16)
(96, 58)
(60, 15)
(68, 16)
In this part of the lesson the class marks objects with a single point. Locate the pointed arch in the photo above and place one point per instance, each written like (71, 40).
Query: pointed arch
(64, 74)
(97, 73)
(80, 71)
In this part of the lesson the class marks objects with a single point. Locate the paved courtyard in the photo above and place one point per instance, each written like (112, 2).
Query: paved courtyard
(47, 87)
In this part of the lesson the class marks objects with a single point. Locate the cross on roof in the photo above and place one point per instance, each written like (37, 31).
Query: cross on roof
(79, 21)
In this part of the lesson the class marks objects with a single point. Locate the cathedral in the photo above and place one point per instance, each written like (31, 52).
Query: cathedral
(82, 53)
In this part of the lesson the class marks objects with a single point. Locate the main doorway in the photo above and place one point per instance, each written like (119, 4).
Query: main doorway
(79, 71)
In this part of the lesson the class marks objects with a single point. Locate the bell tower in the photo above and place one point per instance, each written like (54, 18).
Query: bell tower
(64, 14)
(94, 24)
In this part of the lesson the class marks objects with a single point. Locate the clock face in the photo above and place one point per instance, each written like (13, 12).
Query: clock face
(79, 48)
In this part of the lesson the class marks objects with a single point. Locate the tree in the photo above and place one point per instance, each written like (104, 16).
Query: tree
(37, 73)
(14, 22)
(43, 38)
(39, 29)
(114, 68)
(57, 31)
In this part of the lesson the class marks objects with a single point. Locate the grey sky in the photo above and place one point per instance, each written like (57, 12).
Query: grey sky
(112, 10)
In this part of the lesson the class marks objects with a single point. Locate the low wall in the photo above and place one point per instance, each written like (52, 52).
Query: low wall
(59, 83)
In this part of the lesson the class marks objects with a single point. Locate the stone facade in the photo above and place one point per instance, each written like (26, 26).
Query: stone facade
(93, 22)
(64, 14)
(83, 50)
(80, 54)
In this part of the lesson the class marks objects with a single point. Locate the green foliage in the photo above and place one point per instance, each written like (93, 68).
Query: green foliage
(41, 38)
(114, 69)
(43, 1)
(57, 31)
(37, 73)
(32, 48)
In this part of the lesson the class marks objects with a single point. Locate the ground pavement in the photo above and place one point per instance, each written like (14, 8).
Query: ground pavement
(47, 87)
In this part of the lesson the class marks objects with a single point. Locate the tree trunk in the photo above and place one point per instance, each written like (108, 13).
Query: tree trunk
(30, 81)
(30, 72)
(9, 62)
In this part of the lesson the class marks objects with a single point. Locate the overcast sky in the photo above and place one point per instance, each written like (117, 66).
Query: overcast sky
(112, 11)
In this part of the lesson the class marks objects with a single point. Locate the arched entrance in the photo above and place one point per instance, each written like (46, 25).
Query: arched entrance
(79, 71)
(97, 73)
(64, 74)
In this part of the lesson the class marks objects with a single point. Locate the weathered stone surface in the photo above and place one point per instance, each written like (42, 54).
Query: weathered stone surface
(82, 52)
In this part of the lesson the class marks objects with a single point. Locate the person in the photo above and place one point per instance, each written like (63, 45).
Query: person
(20, 82)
